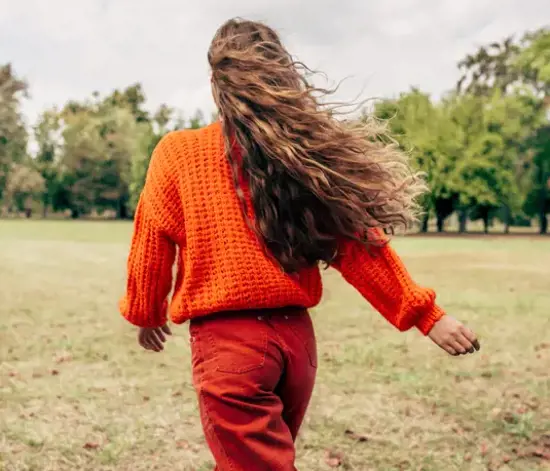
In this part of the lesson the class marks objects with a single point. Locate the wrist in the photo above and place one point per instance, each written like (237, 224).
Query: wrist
(429, 318)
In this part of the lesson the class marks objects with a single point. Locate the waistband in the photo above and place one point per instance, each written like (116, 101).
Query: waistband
(265, 312)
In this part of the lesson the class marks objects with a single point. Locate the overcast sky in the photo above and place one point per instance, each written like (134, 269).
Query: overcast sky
(69, 48)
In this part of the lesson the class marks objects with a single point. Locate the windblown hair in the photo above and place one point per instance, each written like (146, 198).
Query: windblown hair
(313, 179)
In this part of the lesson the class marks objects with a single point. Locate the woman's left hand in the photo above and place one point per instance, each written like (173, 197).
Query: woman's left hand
(153, 338)
(453, 336)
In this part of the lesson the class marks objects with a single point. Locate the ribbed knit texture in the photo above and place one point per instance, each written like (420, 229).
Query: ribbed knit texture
(189, 202)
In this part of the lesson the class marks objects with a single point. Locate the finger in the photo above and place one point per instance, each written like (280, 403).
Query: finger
(464, 342)
(457, 347)
(155, 342)
(471, 337)
(142, 341)
(153, 347)
(146, 345)
(449, 349)
(160, 335)
(166, 329)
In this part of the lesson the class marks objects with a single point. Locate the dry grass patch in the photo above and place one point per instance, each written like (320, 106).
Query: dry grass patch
(76, 393)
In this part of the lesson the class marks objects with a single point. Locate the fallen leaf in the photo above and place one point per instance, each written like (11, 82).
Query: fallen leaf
(506, 459)
(356, 436)
(177, 394)
(146, 398)
(540, 453)
(63, 358)
(91, 446)
(13, 374)
(183, 444)
(334, 459)
(468, 457)
(483, 449)
(54, 372)
(404, 465)
(542, 346)
(509, 418)
(459, 431)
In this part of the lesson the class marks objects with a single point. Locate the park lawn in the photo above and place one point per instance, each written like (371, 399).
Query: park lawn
(76, 392)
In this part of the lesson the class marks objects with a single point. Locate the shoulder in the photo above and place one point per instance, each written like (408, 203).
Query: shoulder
(177, 147)
(177, 150)
(185, 140)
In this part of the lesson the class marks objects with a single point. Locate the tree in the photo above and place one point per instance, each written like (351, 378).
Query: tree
(24, 187)
(490, 67)
(490, 170)
(13, 136)
(534, 62)
(538, 198)
(47, 134)
(99, 142)
(425, 130)
(139, 165)
(148, 140)
(132, 98)
(197, 120)
(513, 68)
(162, 118)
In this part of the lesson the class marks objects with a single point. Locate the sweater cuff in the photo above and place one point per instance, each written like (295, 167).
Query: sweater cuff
(427, 321)
(146, 321)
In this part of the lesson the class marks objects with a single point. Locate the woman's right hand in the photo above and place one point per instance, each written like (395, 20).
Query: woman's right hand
(453, 336)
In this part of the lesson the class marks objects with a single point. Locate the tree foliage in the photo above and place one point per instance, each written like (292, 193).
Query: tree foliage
(13, 135)
(484, 147)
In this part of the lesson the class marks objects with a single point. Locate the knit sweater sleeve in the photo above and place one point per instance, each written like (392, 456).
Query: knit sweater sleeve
(381, 277)
(153, 248)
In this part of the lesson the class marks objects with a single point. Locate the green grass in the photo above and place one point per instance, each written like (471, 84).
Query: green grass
(76, 392)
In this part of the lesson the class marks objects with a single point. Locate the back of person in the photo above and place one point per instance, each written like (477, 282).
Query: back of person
(255, 203)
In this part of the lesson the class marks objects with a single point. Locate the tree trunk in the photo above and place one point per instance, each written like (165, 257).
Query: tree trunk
(485, 219)
(462, 221)
(544, 179)
(507, 219)
(122, 210)
(28, 213)
(75, 214)
(444, 207)
(425, 221)
(543, 219)
(45, 204)
(440, 223)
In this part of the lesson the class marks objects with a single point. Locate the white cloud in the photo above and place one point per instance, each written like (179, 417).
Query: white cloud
(67, 48)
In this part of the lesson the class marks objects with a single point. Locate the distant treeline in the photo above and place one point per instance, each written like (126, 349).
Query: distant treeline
(485, 146)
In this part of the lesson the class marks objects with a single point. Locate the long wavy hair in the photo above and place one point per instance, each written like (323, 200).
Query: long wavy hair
(313, 178)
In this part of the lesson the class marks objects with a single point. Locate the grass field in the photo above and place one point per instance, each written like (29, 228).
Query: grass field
(76, 392)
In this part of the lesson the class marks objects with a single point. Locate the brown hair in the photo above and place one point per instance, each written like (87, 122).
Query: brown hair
(313, 178)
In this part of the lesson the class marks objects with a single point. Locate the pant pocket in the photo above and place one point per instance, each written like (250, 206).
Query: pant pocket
(235, 345)
(302, 326)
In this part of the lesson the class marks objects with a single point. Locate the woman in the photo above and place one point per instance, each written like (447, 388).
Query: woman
(255, 203)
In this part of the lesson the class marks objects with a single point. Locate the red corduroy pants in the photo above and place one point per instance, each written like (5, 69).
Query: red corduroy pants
(254, 374)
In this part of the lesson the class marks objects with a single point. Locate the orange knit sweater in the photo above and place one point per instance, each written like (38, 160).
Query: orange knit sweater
(189, 202)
